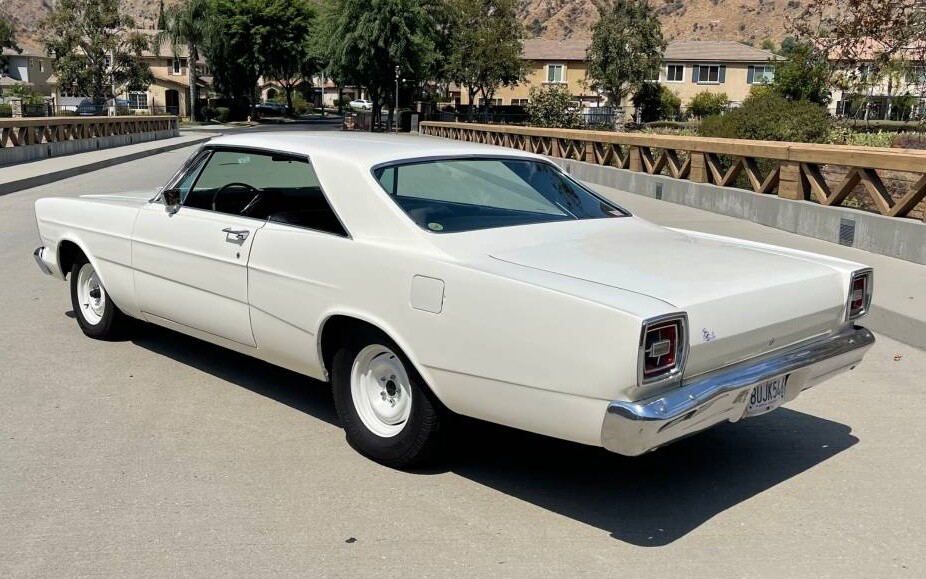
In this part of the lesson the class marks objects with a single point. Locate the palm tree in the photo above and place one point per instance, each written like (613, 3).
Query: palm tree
(186, 24)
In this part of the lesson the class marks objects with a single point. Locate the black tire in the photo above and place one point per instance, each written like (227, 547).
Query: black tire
(111, 324)
(420, 437)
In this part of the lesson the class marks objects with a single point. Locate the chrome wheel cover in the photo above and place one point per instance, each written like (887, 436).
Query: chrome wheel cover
(380, 390)
(91, 297)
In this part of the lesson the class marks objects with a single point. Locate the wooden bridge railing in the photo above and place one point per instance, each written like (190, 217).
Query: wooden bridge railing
(20, 132)
(828, 174)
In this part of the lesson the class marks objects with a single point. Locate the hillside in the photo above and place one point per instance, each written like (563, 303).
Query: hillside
(745, 20)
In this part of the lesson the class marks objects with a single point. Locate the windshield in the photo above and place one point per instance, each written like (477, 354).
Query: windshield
(451, 195)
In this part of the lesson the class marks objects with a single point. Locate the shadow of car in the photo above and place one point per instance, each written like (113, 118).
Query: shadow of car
(651, 500)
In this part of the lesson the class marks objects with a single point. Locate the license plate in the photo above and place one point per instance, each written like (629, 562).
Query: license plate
(766, 397)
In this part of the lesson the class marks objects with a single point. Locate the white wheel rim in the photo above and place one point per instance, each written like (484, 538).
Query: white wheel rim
(91, 296)
(381, 390)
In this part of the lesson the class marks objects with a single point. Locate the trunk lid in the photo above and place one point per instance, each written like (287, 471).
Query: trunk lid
(741, 301)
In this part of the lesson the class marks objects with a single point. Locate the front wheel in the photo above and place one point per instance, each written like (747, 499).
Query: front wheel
(387, 411)
(97, 315)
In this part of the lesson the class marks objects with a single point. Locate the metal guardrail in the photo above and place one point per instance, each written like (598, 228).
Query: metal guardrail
(828, 174)
(20, 132)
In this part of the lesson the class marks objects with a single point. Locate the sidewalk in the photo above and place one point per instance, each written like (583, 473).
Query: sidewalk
(899, 302)
(27, 175)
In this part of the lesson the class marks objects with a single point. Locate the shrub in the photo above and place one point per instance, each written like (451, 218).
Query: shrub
(222, 114)
(705, 104)
(207, 113)
(5, 110)
(656, 102)
(770, 117)
(553, 107)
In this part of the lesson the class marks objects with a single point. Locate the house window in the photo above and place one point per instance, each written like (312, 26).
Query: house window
(519, 102)
(917, 75)
(494, 102)
(138, 100)
(675, 73)
(41, 65)
(653, 75)
(761, 74)
(178, 65)
(556, 73)
(709, 74)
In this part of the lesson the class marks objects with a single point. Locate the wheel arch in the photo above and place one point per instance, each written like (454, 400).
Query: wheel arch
(68, 250)
(335, 326)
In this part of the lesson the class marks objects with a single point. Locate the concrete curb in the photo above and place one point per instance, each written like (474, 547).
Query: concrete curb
(53, 176)
(910, 331)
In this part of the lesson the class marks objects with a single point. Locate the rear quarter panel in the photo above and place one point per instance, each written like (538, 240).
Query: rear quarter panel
(500, 349)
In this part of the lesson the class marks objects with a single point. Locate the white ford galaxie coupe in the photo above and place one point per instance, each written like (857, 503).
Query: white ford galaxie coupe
(423, 277)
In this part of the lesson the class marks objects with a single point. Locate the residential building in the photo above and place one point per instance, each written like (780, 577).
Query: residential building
(869, 91)
(689, 67)
(32, 68)
(694, 66)
(546, 63)
(170, 91)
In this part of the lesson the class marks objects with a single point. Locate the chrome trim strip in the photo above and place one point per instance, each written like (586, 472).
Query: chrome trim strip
(632, 428)
(37, 254)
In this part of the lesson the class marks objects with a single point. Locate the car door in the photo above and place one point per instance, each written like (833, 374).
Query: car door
(190, 265)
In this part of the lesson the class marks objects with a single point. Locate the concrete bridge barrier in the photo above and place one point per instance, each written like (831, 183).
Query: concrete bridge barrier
(32, 139)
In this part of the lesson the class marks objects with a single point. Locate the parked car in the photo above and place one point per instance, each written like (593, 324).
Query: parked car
(270, 108)
(87, 108)
(360, 105)
(424, 277)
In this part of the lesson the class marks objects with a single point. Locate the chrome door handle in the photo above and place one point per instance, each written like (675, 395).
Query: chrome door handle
(238, 234)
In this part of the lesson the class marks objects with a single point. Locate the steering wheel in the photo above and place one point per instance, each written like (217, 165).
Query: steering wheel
(250, 205)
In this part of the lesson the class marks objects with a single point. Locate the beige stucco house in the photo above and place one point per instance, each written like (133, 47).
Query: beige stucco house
(863, 90)
(689, 67)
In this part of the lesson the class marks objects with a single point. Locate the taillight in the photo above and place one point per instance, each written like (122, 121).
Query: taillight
(860, 289)
(663, 348)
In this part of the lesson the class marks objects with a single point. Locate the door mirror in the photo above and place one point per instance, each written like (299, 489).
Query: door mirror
(171, 200)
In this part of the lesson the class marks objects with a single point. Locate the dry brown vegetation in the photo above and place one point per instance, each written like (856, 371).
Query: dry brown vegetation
(746, 20)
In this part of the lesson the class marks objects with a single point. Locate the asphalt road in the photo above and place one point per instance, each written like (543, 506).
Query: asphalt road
(164, 456)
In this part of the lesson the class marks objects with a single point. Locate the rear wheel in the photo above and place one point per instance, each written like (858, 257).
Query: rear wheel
(97, 315)
(387, 411)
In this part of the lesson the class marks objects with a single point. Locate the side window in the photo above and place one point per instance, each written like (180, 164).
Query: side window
(186, 182)
(273, 186)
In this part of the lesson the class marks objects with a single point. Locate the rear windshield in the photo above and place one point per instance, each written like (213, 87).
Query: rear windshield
(452, 195)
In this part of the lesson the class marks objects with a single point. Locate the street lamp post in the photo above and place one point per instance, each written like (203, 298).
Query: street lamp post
(395, 120)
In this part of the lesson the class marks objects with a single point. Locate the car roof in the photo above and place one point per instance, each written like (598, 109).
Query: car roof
(363, 149)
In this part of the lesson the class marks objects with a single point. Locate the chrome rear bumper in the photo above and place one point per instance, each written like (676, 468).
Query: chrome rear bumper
(633, 428)
(39, 255)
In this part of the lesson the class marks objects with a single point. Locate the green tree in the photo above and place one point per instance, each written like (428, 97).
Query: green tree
(552, 106)
(707, 103)
(787, 46)
(283, 36)
(232, 51)
(186, 25)
(626, 48)
(804, 75)
(96, 48)
(367, 41)
(162, 17)
(7, 40)
(484, 46)
(656, 102)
